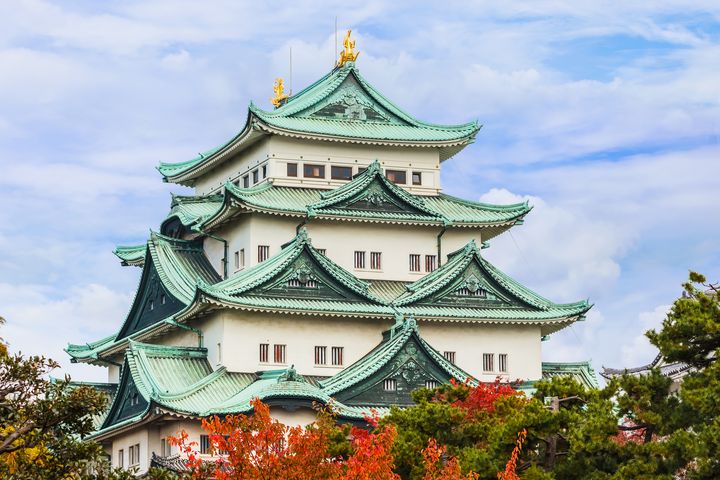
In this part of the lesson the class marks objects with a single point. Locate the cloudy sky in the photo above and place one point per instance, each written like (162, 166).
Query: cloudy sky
(607, 118)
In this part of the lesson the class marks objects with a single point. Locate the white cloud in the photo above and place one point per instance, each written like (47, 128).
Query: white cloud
(638, 351)
(39, 322)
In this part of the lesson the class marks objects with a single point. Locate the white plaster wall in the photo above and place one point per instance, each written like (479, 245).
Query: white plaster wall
(277, 151)
(233, 168)
(456, 238)
(244, 332)
(297, 418)
(285, 149)
(522, 344)
(395, 242)
(124, 441)
(113, 373)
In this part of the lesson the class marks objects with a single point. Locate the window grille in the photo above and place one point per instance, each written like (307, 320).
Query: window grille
(313, 171)
(431, 384)
(396, 176)
(279, 354)
(242, 258)
(390, 385)
(121, 458)
(264, 171)
(321, 251)
(264, 352)
(292, 169)
(502, 362)
(488, 362)
(430, 263)
(449, 356)
(152, 305)
(376, 260)
(246, 181)
(417, 178)
(320, 355)
(294, 282)
(263, 252)
(465, 292)
(237, 259)
(134, 454)
(337, 356)
(255, 176)
(359, 260)
(340, 173)
(219, 353)
(414, 262)
(205, 444)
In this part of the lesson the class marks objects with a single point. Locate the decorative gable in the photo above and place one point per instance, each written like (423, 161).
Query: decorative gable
(351, 102)
(473, 287)
(305, 278)
(153, 303)
(411, 368)
(128, 401)
(371, 193)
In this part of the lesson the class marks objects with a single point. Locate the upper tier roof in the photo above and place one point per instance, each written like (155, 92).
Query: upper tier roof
(340, 107)
(368, 197)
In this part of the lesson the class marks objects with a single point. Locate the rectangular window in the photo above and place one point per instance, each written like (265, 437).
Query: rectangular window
(264, 352)
(134, 454)
(241, 260)
(320, 355)
(431, 384)
(121, 458)
(163, 299)
(279, 354)
(449, 356)
(263, 253)
(219, 353)
(337, 356)
(414, 262)
(430, 263)
(164, 450)
(321, 251)
(396, 176)
(313, 171)
(376, 260)
(264, 171)
(416, 178)
(292, 169)
(237, 259)
(340, 173)
(246, 181)
(502, 363)
(255, 176)
(359, 260)
(389, 385)
(205, 444)
(488, 362)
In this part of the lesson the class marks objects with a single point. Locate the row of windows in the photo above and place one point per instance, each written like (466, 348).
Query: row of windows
(345, 173)
(489, 362)
(279, 351)
(390, 384)
(163, 301)
(360, 260)
(133, 456)
(256, 175)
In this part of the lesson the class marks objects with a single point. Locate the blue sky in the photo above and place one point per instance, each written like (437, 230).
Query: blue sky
(606, 118)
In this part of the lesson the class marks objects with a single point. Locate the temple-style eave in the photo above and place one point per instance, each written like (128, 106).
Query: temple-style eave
(133, 255)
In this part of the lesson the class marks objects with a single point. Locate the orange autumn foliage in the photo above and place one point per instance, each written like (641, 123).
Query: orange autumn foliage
(510, 472)
(258, 447)
(437, 467)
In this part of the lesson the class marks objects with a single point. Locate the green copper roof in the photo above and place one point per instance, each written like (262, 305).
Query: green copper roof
(580, 371)
(131, 255)
(299, 278)
(89, 351)
(181, 264)
(342, 106)
(191, 210)
(378, 358)
(468, 286)
(370, 196)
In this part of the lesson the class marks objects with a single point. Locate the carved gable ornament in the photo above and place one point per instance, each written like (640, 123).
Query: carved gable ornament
(348, 103)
